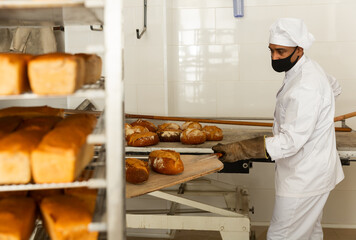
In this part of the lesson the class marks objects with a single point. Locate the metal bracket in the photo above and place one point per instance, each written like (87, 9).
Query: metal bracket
(138, 34)
(99, 28)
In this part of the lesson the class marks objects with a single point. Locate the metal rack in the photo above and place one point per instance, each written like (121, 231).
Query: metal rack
(108, 177)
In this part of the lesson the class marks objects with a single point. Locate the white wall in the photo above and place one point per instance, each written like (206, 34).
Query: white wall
(196, 59)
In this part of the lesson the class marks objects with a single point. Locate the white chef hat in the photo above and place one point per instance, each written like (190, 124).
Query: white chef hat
(290, 32)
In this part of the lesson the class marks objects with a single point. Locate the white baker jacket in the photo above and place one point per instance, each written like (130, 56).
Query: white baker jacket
(303, 145)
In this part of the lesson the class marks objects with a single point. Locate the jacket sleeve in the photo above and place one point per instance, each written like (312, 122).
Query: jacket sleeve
(301, 108)
(334, 85)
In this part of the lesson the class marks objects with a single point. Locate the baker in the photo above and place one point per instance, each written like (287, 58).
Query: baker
(303, 146)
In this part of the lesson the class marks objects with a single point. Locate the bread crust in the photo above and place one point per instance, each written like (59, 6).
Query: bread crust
(129, 130)
(192, 136)
(169, 135)
(149, 125)
(195, 125)
(137, 171)
(143, 139)
(213, 133)
(166, 162)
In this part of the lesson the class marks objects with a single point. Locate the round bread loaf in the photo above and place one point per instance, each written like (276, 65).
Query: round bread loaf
(192, 136)
(169, 135)
(143, 139)
(147, 124)
(129, 130)
(195, 125)
(168, 126)
(213, 133)
(166, 162)
(169, 132)
(137, 171)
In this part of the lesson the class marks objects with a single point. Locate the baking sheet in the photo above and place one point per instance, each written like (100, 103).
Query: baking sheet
(195, 166)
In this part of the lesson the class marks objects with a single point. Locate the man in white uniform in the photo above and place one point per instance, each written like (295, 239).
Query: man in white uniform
(303, 145)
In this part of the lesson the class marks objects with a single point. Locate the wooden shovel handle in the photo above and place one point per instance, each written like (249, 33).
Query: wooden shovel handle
(345, 116)
(259, 124)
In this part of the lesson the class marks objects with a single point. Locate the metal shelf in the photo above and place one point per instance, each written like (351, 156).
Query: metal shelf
(51, 13)
(96, 90)
(97, 181)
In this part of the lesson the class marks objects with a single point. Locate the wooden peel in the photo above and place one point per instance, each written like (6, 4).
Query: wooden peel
(259, 124)
(345, 116)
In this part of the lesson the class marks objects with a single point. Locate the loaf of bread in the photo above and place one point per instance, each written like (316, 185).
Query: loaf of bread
(147, 124)
(63, 152)
(87, 195)
(13, 77)
(8, 125)
(143, 139)
(39, 123)
(195, 125)
(129, 130)
(38, 195)
(8, 194)
(17, 218)
(66, 217)
(56, 73)
(166, 162)
(192, 136)
(15, 155)
(213, 133)
(168, 126)
(93, 67)
(137, 171)
(29, 112)
(169, 132)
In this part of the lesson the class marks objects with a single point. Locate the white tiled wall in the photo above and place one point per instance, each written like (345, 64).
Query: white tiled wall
(196, 59)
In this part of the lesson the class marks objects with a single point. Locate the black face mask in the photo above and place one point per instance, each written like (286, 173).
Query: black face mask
(284, 64)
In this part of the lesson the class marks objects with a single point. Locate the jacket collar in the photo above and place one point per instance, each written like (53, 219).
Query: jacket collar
(296, 68)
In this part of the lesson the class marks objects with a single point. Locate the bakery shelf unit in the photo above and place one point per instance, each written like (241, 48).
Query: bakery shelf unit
(109, 176)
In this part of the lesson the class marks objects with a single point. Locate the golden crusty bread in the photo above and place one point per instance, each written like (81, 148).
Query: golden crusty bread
(213, 133)
(8, 125)
(137, 171)
(88, 195)
(169, 135)
(17, 218)
(63, 152)
(129, 130)
(8, 194)
(192, 136)
(16, 148)
(168, 126)
(143, 139)
(93, 67)
(29, 112)
(38, 195)
(39, 123)
(195, 125)
(56, 73)
(66, 217)
(147, 124)
(13, 77)
(166, 162)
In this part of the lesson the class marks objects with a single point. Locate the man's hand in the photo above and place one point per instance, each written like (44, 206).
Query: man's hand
(242, 150)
